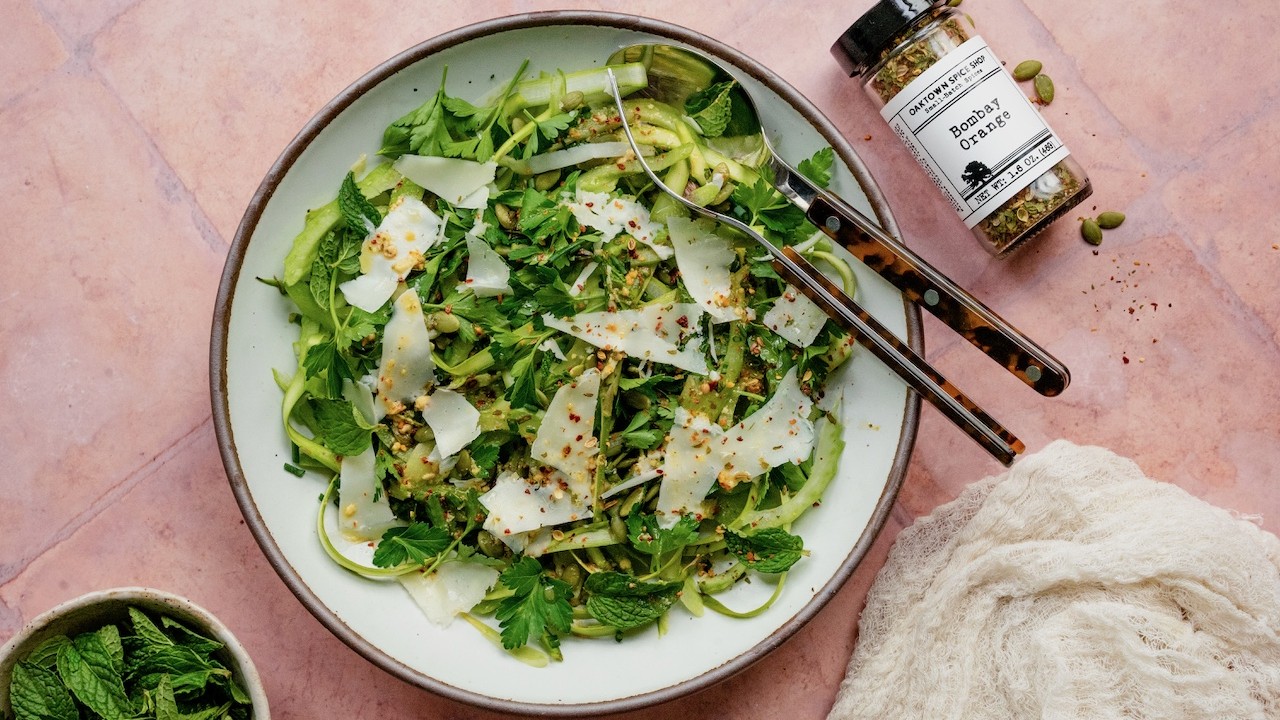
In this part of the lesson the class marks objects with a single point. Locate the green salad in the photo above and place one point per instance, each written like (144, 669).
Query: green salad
(550, 402)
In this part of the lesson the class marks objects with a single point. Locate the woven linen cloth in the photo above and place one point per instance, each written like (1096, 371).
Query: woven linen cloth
(1071, 586)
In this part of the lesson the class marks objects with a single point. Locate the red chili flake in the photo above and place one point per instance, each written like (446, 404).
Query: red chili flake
(683, 321)
(574, 417)
(1125, 358)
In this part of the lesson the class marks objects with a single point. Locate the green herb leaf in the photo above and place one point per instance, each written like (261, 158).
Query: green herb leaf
(324, 360)
(484, 454)
(88, 669)
(36, 693)
(649, 537)
(356, 209)
(46, 653)
(712, 108)
(626, 602)
(416, 543)
(818, 167)
(166, 705)
(189, 638)
(146, 630)
(340, 428)
(539, 609)
(773, 550)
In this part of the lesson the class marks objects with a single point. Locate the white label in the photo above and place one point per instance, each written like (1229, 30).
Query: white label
(973, 131)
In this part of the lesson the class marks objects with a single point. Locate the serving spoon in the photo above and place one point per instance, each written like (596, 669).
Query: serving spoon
(677, 72)
(899, 356)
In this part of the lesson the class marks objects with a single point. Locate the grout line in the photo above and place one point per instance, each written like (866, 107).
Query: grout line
(170, 184)
(11, 570)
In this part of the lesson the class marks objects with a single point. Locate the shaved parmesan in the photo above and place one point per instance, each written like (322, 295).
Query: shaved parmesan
(453, 420)
(406, 369)
(778, 433)
(517, 505)
(461, 183)
(611, 216)
(530, 544)
(796, 318)
(704, 259)
(699, 453)
(455, 587)
(360, 516)
(487, 273)
(653, 332)
(396, 247)
(564, 439)
(693, 463)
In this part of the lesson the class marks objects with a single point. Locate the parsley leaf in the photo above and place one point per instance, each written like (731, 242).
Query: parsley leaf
(539, 609)
(324, 360)
(356, 209)
(416, 543)
(818, 167)
(338, 427)
(649, 537)
(772, 550)
(484, 455)
(626, 602)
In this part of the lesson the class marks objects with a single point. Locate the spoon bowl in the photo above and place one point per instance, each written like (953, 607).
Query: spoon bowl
(684, 79)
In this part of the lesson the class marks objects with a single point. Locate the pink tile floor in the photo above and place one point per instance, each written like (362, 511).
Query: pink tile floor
(135, 132)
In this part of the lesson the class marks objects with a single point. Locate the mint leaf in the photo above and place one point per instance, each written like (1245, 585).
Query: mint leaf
(146, 630)
(88, 669)
(538, 610)
(648, 537)
(357, 212)
(773, 550)
(36, 693)
(416, 543)
(166, 705)
(109, 636)
(46, 653)
(712, 108)
(188, 670)
(189, 638)
(818, 167)
(339, 428)
(626, 602)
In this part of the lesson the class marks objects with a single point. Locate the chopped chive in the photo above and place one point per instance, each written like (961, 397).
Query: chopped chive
(294, 470)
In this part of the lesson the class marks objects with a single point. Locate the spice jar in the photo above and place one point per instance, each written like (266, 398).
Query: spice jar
(964, 119)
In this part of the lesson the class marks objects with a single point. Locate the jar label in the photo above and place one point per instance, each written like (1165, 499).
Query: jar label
(973, 130)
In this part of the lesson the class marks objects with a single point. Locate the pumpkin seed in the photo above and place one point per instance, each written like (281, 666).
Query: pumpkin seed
(1090, 231)
(1027, 69)
(1110, 220)
(1044, 88)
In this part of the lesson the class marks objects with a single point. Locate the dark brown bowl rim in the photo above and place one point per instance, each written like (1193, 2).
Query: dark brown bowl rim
(221, 324)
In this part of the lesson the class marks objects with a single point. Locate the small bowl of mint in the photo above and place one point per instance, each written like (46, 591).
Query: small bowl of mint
(128, 653)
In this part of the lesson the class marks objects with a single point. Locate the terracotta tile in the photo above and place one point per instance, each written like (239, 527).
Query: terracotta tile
(1174, 401)
(30, 51)
(1225, 202)
(206, 94)
(107, 291)
(1182, 79)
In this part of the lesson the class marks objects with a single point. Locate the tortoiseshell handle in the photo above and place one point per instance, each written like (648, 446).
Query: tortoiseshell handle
(899, 356)
(926, 286)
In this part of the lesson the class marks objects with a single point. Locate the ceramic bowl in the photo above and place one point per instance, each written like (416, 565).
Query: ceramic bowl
(251, 336)
(105, 607)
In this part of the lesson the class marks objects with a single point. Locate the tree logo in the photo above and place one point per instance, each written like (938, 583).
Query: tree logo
(975, 173)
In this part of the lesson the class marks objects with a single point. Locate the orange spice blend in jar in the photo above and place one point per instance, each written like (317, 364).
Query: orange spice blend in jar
(964, 119)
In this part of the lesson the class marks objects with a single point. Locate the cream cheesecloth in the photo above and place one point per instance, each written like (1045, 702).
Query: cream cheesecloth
(1072, 586)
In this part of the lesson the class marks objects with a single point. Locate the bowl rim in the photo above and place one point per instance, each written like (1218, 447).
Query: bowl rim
(235, 259)
(189, 611)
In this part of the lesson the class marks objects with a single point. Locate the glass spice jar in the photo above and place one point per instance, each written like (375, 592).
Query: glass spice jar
(964, 119)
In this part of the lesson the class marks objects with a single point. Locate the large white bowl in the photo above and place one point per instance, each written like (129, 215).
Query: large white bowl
(251, 336)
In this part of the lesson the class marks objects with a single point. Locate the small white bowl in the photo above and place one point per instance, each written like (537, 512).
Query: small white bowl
(104, 607)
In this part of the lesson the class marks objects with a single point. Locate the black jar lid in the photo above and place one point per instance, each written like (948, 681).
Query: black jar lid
(859, 47)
